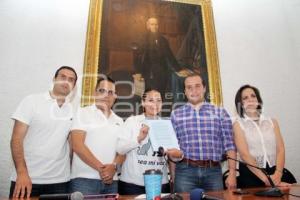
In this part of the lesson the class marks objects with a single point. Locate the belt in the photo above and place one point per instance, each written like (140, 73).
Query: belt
(201, 163)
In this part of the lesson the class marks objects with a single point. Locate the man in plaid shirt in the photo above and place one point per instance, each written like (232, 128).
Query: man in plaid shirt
(204, 133)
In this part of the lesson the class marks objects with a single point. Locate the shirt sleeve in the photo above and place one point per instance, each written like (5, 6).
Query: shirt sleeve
(25, 110)
(174, 122)
(227, 131)
(127, 139)
(78, 120)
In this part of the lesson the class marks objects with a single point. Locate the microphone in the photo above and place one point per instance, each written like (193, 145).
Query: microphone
(72, 196)
(198, 194)
(273, 191)
(161, 151)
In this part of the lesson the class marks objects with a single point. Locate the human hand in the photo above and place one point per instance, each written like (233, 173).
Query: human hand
(107, 173)
(174, 153)
(107, 180)
(276, 177)
(143, 133)
(284, 184)
(23, 186)
(230, 181)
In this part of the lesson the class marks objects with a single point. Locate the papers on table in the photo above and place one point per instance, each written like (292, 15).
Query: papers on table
(162, 134)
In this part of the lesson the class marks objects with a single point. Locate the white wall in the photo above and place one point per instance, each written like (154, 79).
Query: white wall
(258, 43)
(36, 37)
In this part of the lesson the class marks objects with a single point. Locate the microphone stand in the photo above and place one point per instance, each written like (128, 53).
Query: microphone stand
(273, 191)
(172, 195)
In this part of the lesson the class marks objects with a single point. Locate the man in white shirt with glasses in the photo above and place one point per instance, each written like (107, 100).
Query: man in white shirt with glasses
(94, 136)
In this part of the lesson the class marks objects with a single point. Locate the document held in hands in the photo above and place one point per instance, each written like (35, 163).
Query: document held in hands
(162, 134)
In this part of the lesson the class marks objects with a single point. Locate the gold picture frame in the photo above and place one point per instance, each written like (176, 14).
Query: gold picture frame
(93, 47)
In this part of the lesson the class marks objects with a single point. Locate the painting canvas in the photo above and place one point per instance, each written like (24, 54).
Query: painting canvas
(150, 44)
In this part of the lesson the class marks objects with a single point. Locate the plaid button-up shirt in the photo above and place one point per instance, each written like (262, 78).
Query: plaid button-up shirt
(204, 134)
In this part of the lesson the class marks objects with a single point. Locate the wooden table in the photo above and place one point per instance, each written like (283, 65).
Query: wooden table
(226, 195)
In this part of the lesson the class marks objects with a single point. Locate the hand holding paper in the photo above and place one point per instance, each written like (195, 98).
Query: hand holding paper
(143, 133)
(162, 134)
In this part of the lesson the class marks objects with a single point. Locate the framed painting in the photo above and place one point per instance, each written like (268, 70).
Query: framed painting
(150, 44)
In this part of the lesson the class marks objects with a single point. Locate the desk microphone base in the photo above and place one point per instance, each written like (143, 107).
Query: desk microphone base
(272, 192)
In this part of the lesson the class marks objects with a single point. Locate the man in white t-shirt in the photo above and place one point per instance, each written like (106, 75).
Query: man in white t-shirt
(39, 142)
(94, 136)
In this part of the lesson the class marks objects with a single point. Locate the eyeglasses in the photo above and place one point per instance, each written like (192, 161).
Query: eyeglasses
(104, 91)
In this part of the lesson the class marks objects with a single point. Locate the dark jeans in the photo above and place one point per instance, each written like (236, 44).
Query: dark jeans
(189, 177)
(92, 186)
(38, 189)
(132, 189)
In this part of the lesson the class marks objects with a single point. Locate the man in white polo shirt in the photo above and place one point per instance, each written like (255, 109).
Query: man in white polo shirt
(39, 142)
(94, 137)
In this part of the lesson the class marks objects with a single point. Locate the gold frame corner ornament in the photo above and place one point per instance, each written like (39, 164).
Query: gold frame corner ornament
(91, 59)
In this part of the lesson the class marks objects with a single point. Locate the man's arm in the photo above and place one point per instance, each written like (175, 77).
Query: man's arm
(229, 147)
(231, 179)
(84, 153)
(23, 181)
(110, 169)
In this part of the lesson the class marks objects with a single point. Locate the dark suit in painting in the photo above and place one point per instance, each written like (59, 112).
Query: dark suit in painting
(156, 62)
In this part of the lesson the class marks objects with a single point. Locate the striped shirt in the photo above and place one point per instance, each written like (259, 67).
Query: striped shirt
(204, 134)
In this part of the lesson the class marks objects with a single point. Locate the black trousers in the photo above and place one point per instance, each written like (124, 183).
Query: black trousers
(248, 179)
(38, 189)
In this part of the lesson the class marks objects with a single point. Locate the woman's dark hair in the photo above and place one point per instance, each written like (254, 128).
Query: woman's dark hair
(147, 91)
(68, 68)
(238, 99)
(145, 95)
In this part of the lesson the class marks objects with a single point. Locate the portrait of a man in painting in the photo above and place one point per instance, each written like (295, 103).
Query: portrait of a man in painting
(153, 44)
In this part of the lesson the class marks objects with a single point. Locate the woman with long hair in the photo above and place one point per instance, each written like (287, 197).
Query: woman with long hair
(258, 140)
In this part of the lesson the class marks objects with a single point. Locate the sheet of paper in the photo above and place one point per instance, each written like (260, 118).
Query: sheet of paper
(162, 134)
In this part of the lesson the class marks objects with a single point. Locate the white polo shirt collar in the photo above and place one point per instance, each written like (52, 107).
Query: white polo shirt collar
(47, 96)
